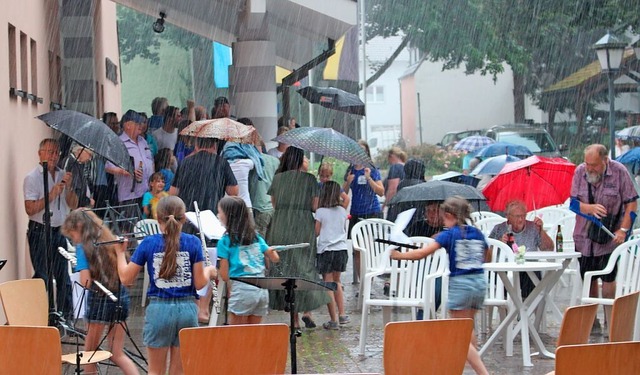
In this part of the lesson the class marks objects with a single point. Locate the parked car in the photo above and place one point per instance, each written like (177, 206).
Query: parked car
(534, 138)
(451, 138)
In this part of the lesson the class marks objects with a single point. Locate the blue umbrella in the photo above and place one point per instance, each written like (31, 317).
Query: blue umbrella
(503, 148)
(630, 158)
(493, 165)
(630, 132)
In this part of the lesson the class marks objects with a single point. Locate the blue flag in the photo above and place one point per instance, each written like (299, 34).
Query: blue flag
(221, 63)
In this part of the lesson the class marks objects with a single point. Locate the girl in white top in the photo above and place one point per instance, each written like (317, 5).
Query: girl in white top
(332, 255)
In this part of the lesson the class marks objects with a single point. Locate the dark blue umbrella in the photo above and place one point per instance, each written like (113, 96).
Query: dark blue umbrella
(503, 148)
(493, 165)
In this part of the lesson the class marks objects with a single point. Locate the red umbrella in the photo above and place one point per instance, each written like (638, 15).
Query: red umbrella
(536, 180)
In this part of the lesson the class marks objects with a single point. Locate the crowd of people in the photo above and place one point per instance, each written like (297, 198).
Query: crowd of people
(264, 199)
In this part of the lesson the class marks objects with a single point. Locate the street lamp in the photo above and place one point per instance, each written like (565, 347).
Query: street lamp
(610, 50)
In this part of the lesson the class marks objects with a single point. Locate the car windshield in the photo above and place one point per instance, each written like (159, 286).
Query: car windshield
(536, 142)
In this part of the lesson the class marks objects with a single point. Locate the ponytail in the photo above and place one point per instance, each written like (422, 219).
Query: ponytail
(171, 213)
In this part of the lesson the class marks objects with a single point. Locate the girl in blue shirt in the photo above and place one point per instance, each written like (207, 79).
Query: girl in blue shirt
(467, 250)
(242, 252)
(175, 265)
(98, 262)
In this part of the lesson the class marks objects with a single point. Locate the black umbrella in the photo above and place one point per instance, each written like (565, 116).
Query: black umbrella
(90, 133)
(435, 190)
(333, 98)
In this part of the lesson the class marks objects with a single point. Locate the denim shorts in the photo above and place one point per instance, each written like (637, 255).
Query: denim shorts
(164, 318)
(467, 292)
(101, 309)
(248, 300)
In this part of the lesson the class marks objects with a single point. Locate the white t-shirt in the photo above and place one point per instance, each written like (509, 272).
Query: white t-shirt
(333, 232)
(241, 169)
(166, 140)
(275, 152)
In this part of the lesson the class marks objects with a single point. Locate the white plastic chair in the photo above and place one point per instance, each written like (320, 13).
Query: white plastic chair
(411, 285)
(550, 214)
(142, 229)
(363, 236)
(496, 295)
(486, 225)
(479, 215)
(627, 257)
(567, 224)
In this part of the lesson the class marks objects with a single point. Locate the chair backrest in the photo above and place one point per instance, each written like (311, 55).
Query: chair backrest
(500, 253)
(266, 354)
(146, 227)
(407, 276)
(628, 257)
(479, 215)
(25, 302)
(623, 317)
(30, 350)
(620, 358)
(576, 324)
(550, 214)
(426, 346)
(486, 225)
(364, 233)
(567, 224)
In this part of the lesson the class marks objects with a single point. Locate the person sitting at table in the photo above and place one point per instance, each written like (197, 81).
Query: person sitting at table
(525, 233)
(430, 225)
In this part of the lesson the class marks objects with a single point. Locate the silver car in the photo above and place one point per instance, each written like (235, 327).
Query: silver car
(534, 138)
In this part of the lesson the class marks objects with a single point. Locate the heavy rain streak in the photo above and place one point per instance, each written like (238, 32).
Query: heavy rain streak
(338, 186)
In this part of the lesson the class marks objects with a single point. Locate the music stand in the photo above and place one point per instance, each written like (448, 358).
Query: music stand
(290, 284)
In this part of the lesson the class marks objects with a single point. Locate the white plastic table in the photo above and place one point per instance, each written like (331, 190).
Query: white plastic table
(522, 309)
(566, 257)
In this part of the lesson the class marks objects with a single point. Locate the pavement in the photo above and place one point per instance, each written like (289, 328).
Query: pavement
(322, 351)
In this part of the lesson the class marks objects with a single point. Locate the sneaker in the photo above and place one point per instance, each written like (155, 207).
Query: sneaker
(331, 325)
(344, 319)
(308, 322)
(596, 329)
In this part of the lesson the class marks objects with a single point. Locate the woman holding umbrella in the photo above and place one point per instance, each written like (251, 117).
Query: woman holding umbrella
(366, 187)
(294, 194)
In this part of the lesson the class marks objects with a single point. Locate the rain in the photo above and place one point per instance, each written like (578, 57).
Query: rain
(273, 100)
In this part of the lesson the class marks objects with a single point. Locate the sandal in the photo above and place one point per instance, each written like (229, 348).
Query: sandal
(308, 322)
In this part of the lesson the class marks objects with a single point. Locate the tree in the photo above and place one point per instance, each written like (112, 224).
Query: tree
(541, 40)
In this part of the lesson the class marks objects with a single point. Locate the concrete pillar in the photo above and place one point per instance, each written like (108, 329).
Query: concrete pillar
(252, 85)
(78, 45)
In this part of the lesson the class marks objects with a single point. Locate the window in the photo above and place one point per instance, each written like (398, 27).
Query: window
(55, 78)
(13, 67)
(24, 64)
(375, 94)
(34, 71)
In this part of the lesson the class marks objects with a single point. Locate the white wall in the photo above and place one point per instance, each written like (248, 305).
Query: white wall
(451, 100)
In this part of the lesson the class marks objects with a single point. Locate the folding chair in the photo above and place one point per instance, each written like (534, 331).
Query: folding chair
(239, 349)
(620, 358)
(30, 350)
(576, 324)
(623, 317)
(426, 346)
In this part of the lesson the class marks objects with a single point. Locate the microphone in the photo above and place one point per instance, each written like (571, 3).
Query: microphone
(106, 291)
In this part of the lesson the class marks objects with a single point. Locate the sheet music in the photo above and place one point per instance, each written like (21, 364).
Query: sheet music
(402, 220)
(211, 226)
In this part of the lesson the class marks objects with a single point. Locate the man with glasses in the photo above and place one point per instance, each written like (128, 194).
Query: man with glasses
(47, 262)
(525, 233)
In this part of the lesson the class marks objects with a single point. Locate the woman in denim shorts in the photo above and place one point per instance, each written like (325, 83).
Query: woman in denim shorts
(98, 262)
(467, 250)
(175, 265)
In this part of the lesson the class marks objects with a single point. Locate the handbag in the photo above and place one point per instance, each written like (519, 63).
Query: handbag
(595, 233)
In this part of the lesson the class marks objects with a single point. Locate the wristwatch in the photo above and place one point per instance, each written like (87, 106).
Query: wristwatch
(624, 230)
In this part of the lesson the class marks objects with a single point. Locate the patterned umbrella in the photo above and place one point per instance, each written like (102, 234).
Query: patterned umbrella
(503, 148)
(326, 142)
(630, 132)
(224, 129)
(473, 143)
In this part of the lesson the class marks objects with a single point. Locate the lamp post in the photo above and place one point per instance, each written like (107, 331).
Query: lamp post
(610, 50)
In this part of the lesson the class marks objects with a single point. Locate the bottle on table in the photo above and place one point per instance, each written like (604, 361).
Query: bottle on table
(559, 239)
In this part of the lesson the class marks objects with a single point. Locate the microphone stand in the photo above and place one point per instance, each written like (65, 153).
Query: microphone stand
(46, 220)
